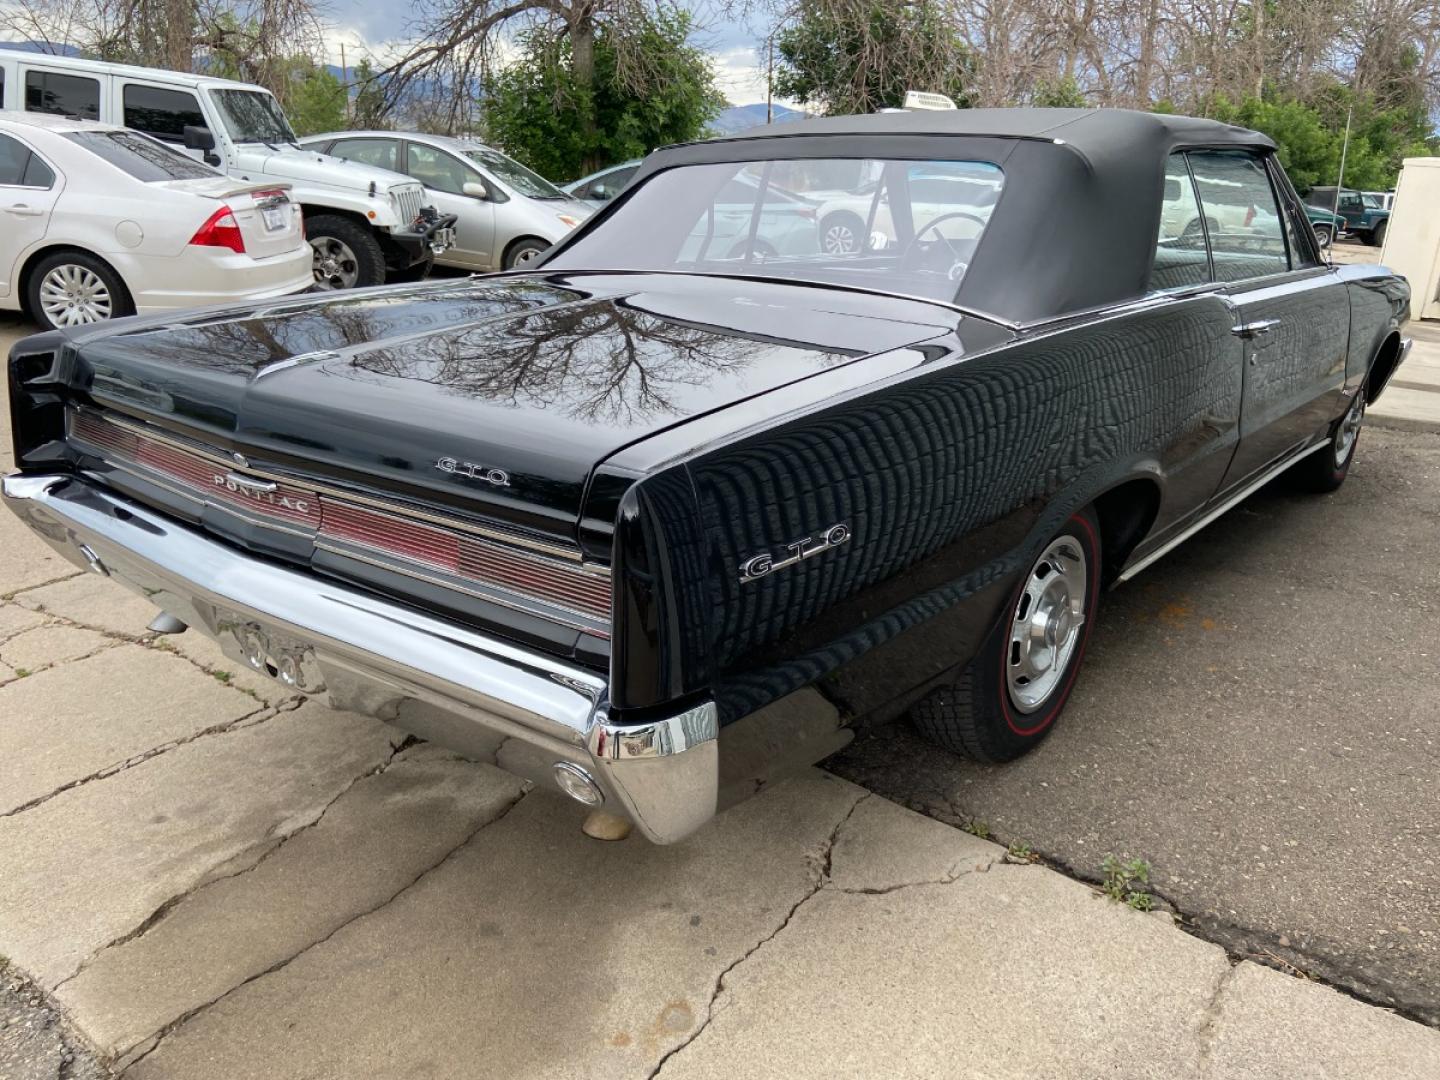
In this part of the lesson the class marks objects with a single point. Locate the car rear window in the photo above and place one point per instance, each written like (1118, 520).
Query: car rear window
(904, 226)
(140, 156)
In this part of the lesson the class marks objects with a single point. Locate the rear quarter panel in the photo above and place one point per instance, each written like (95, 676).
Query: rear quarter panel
(948, 477)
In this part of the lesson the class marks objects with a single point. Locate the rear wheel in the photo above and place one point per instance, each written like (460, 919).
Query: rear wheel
(1325, 470)
(1011, 692)
(347, 255)
(71, 288)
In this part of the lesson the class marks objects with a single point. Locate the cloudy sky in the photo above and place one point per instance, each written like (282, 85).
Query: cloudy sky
(363, 24)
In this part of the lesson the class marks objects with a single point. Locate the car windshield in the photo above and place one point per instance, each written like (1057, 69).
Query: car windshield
(252, 116)
(139, 155)
(514, 174)
(907, 227)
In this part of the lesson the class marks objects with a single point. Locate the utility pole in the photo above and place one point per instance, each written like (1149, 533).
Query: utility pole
(345, 82)
(770, 80)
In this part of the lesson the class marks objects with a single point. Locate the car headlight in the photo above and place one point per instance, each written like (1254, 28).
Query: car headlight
(569, 220)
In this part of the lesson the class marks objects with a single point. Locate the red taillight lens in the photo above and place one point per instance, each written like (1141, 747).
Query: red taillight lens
(221, 230)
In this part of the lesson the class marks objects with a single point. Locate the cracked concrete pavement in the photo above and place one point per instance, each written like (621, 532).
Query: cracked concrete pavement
(204, 876)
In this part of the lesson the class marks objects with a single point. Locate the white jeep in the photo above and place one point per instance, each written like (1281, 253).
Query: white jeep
(365, 225)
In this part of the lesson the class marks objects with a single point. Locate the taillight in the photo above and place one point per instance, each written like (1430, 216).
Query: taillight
(221, 230)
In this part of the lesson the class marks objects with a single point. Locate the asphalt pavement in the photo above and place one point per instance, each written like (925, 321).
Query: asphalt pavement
(1259, 718)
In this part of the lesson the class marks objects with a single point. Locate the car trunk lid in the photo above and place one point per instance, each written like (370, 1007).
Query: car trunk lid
(495, 397)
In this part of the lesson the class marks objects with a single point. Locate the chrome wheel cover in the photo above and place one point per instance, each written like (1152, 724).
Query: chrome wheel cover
(1045, 625)
(1349, 431)
(72, 295)
(1322, 235)
(840, 239)
(336, 266)
(525, 256)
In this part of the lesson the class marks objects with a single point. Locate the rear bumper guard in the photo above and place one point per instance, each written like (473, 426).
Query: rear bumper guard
(369, 655)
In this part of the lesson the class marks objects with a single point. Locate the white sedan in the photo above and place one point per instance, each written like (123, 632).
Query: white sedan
(98, 221)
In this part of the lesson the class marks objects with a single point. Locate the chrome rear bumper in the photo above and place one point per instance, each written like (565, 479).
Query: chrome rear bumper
(369, 655)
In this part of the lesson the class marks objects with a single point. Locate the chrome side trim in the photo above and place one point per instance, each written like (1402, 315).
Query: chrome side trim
(1219, 511)
(371, 655)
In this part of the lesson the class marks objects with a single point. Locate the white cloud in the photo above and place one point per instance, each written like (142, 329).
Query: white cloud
(740, 74)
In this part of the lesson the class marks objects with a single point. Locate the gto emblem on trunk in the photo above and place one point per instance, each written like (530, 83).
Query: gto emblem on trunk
(498, 477)
(758, 566)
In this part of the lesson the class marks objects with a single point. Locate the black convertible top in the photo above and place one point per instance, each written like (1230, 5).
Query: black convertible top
(1076, 221)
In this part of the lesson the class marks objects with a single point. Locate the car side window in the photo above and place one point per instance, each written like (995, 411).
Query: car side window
(14, 159)
(1181, 258)
(382, 153)
(437, 170)
(38, 174)
(1242, 218)
(161, 112)
(1299, 234)
(65, 95)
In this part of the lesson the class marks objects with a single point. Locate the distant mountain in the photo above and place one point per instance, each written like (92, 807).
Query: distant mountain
(742, 117)
(35, 47)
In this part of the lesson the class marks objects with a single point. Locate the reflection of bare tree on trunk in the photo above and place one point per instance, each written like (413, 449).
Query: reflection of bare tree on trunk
(603, 362)
(244, 344)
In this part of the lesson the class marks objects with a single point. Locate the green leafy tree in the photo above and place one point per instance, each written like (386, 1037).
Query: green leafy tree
(842, 57)
(540, 112)
(316, 102)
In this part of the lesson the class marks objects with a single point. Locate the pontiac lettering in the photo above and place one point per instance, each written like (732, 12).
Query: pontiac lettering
(260, 491)
(765, 564)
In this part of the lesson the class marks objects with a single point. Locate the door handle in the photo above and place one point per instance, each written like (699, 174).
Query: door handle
(22, 210)
(1256, 329)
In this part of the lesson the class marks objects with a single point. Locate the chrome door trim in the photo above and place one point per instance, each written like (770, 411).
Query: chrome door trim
(1218, 511)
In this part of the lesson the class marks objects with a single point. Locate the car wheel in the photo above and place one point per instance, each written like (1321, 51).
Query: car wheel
(71, 288)
(524, 252)
(1325, 470)
(1378, 236)
(762, 249)
(347, 255)
(840, 234)
(1009, 695)
(1324, 235)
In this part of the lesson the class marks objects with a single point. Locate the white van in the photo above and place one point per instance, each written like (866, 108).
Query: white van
(364, 224)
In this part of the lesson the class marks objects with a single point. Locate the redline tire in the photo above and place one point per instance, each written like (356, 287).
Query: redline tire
(979, 715)
(1325, 470)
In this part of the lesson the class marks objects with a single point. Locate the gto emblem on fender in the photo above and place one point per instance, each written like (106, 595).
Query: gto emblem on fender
(498, 477)
(758, 566)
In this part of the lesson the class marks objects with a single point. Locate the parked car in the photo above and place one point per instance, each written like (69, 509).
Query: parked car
(365, 225)
(788, 223)
(852, 220)
(1327, 225)
(600, 187)
(668, 519)
(505, 215)
(1362, 212)
(101, 222)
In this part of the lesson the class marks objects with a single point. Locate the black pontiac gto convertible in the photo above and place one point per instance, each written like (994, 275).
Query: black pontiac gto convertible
(711, 483)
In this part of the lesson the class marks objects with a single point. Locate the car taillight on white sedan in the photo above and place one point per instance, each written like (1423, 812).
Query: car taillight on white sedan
(220, 230)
